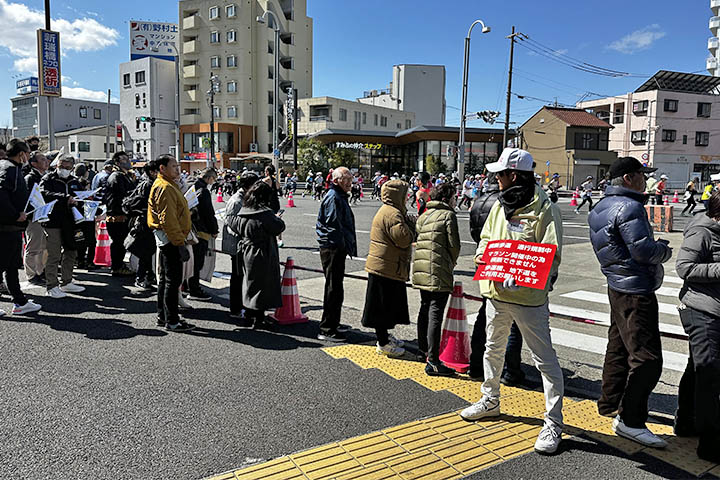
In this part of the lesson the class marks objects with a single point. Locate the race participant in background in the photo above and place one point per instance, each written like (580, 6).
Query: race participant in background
(422, 196)
(586, 194)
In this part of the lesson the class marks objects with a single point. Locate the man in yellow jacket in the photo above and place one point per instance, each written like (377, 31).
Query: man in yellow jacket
(523, 212)
(169, 216)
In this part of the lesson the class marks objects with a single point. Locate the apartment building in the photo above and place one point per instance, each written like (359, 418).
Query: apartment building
(713, 45)
(222, 38)
(670, 122)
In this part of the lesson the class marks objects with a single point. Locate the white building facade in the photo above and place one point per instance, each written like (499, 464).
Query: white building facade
(671, 122)
(713, 62)
(147, 89)
(415, 88)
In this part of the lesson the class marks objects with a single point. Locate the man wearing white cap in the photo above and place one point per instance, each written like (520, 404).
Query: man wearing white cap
(523, 212)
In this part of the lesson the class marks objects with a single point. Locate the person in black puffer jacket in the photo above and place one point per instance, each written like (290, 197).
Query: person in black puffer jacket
(119, 185)
(631, 259)
(206, 225)
(512, 373)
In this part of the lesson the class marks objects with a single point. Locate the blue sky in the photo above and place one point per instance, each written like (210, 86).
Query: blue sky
(356, 43)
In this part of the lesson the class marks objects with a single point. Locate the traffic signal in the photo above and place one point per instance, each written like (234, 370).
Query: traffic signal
(151, 120)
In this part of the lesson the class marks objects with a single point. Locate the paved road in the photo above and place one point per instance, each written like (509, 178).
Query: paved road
(93, 389)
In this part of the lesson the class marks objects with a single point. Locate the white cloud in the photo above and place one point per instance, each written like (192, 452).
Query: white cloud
(85, 94)
(19, 37)
(638, 40)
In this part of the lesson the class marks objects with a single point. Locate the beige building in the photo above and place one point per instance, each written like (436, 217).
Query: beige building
(223, 38)
(322, 113)
(670, 122)
(568, 141)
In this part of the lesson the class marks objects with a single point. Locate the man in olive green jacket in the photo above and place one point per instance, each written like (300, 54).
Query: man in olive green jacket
(523, 212)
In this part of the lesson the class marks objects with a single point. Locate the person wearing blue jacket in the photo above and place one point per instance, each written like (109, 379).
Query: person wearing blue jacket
(335, 229)
(631, 259)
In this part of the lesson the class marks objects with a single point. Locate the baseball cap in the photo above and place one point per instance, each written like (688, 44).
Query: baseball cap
(663, 177)
(512, 159)
(624, 165)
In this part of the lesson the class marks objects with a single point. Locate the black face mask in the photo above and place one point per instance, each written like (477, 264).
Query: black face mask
(515, 197)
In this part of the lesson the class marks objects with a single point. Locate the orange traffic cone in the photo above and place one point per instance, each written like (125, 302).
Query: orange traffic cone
(576, 194)
(665, 200)
(102, 249)
(675, 198)
(219, 198)
(291, 202)
(290, 311)
(455, 340)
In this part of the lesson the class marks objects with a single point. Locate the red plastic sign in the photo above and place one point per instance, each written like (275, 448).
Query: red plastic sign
(529, 263)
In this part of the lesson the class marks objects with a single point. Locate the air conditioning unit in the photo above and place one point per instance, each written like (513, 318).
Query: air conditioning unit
(254, 147)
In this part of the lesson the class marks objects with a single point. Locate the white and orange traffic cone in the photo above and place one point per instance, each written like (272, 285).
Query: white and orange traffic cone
(290, 311)
(665, 200)
(102, 249)
(576, 194)
(675, 198)
(290, 202)
(219, 198)
(455, 340)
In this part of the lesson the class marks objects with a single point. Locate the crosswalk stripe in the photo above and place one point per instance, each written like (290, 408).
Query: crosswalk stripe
(664, 291)
(584, 295)
(575, 225)
(603, 318)
(671, 279)
(575, 238)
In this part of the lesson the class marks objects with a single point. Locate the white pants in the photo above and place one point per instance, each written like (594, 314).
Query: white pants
(534, 324)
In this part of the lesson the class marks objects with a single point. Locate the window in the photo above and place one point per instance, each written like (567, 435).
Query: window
(126, 80)
(270, 126)
(383, 121)
(232, 86)
(230, 11)
(217, 111)
(669, 135)
(214, 13)
(397, 125)
(112, 148)
(343, 115)
(83, 112)
(144, 100)
(137, 147)
(684, 139)
(83, 146)
(364, 118)
(214, 36)
(137, 100)
(230, 35)
(703, 110)
(140, 77)
(408, 124)
(137, 124)
(640, 107)
(232, 112)
(97, 113)
(702, 139)
(232, 61)
(639, 136)
(375, 120)
(670, 105)
(214, 62)
(72, 146)
(270, 98)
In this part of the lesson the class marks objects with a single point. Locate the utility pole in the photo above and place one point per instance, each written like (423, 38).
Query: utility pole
(295, 127)
(509, 88)
(211, 161)
(51, 130)
(649, 130)
(107, 129)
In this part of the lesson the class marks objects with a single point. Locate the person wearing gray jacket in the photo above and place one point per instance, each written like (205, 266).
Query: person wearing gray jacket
(698, 264)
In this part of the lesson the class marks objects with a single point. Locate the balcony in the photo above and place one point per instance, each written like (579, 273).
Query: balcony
(191, 22)
(715, 6)
(190, 95)
(714, 25)
(190, 119)
(190, 71)
(711, 64)
(190, 47)
(713, 44)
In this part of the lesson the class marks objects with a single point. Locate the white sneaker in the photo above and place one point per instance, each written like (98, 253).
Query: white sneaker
(55, 292)
(485, 407)
(29, 307)
(72, 288)
(2, 312)
(390, 350)
(396, 341)
(640, 435)
(183, 304)
(548, 439)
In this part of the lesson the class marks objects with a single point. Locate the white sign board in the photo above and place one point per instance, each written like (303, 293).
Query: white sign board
(144, 36)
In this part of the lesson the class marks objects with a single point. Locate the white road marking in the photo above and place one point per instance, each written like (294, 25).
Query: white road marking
(353, 258)
(671, 279)
(575, 238)
(575, 225)
(664, 291)
(586, 296)
(602, 317)
(310, 214)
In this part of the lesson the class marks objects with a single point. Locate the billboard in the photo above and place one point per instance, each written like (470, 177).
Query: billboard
(48, 43)
(144, 36)
(27, 85)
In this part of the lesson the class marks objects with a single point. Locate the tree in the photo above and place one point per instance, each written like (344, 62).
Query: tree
(312, 156)
(342, 157)
(434, 165)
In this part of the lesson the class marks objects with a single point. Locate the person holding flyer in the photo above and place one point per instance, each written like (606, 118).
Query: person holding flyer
(523, 212)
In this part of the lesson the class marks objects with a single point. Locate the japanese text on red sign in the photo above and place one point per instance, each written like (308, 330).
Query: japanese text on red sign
(529, 263)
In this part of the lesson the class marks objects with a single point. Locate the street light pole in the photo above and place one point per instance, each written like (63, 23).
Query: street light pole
(276, 89)
(463, 115)
(213, 82)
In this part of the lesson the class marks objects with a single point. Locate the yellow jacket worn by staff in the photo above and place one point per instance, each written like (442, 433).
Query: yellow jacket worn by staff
(538, 222)
(707, 193)
(168, 211)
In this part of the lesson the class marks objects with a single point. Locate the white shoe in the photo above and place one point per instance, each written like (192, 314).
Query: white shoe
(29, 307)
(640, 435)
(72, 288)
(390, 350)
(183, 304)
(485, 407)
(396, 341)
(55, 292)
(548, 439)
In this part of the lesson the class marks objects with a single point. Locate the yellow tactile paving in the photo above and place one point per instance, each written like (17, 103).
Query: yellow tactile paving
(445, 446)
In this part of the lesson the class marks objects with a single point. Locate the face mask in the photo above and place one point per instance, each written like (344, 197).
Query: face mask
(64, 173)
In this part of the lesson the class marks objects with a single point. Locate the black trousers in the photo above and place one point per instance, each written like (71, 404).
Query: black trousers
(118, 231)
(236, 279)
(12, 252)
(633, 360)
(512, 351)
(584, 201)
(429, 322)
(200, 249)
(690, 205)
(333, 264)
(699, 392)
(169, 280)
(86, 248)
(383, 336)
(144, 270)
